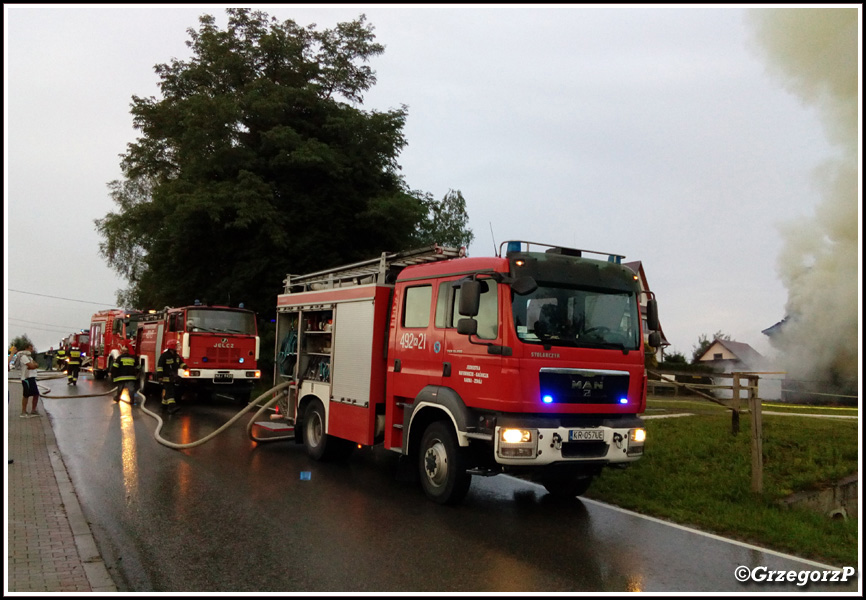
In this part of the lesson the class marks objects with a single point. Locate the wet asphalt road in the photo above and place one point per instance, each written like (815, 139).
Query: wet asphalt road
(234, 515)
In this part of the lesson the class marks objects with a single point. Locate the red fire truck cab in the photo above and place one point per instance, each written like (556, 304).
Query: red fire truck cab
(530, 362)
(81, 339)
(219, 344)
(109, 329)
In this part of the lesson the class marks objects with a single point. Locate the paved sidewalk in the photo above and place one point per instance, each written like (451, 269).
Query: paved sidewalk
(50, 546)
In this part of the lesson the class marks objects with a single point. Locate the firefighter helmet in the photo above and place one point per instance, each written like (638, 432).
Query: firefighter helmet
(171, 344)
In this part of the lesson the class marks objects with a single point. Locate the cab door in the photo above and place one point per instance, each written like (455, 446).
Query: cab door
(475, 373)
(415, 355)
(415, 359)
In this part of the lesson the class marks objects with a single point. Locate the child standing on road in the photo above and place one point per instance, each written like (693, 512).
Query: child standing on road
(28, 368)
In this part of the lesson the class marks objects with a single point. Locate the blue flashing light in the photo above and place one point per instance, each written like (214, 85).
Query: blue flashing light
(547, 399)
(623, 400)
(204, 359)
(512, 247)
(241, 359)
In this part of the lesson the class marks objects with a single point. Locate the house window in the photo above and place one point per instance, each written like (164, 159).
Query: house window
(717, 356)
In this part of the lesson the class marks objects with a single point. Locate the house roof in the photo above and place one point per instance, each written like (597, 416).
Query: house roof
(775, 329)
(744, 352)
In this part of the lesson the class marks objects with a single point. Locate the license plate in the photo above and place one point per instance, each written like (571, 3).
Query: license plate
(583, 435)
(223, 378)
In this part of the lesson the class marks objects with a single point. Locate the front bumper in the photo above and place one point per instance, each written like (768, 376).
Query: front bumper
(545, 443)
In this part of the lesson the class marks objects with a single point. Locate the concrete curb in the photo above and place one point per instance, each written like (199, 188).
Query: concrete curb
(94, 567)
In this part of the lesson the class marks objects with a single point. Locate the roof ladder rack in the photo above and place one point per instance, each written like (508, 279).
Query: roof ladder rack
(381, 270)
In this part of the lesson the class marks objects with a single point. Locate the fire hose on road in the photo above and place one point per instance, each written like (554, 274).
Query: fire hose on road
(279, 391)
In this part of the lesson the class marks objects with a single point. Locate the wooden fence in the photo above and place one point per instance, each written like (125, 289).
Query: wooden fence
(734, 404)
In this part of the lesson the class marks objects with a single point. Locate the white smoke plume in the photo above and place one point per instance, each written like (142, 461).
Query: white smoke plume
(814, 53)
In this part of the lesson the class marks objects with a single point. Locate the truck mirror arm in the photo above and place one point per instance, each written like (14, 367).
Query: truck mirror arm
(469, 327)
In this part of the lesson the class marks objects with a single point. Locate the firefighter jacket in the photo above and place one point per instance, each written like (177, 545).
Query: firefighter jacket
(61, 355)
(73, 356)
(124, 368)
(168, 365)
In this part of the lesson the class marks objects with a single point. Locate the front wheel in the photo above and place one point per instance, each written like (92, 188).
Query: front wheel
(442, 465)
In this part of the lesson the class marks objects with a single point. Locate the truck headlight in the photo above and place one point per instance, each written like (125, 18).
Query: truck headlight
(518, 443)
(636, 439)
(516, 436)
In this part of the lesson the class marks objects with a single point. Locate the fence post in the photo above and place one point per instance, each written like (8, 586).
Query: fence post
(757, 436)
(735, 404)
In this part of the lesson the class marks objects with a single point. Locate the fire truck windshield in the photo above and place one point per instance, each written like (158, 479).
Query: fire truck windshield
(559, 316)
(214, 320)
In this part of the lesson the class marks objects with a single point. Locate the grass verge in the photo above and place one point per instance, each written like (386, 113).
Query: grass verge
(695, 473)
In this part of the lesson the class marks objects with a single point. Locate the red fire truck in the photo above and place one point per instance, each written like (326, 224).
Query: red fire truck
(530, 362)
(219, 344)
(108, 330)
(81, 339)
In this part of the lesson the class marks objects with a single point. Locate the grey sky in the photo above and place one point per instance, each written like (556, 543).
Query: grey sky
(649, 131)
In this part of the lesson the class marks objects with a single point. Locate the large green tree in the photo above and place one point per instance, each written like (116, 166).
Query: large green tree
(256, 161)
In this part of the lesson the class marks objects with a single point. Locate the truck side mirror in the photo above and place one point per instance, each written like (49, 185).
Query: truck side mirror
(655, 339)
(467, 327)
(470, 298)
(652, 315)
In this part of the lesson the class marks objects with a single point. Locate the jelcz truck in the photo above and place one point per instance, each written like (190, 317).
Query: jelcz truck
(530, 362)
(218, 344)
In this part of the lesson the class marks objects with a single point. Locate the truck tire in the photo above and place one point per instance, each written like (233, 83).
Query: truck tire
(442, 465)
(318, 444)
(567, 487)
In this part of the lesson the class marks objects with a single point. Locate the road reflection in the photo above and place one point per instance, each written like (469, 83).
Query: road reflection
(128, 455)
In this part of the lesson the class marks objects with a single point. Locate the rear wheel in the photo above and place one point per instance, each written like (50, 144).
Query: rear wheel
(318, 444)
(442, 465)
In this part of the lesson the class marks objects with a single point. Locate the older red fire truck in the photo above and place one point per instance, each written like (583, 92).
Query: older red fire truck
(219, 344)
(81, 340)
(530, 363)
(109, 329)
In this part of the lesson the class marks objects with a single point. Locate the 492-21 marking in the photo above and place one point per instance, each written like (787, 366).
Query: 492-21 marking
(409, 341)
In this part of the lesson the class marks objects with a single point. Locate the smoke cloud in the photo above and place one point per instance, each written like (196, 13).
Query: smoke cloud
(814, 53)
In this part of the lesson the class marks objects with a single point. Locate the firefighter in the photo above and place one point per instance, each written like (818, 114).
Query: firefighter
(73, 363)
(61, 358)
(124, 373)
(167, 368)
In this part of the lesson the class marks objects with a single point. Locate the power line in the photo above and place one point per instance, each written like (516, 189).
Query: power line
(43, 329)
(61, 298)
(64, 327)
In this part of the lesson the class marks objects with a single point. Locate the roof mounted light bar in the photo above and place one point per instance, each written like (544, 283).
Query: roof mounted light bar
(518, 246)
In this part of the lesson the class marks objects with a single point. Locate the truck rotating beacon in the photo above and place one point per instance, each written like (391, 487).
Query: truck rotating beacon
(530, 363)
(219, 344)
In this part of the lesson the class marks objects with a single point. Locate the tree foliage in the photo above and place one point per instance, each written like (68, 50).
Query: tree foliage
(704, 342)
(20, 342)
(446, 221)
(256, 161)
